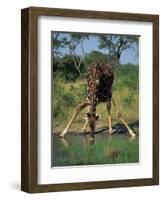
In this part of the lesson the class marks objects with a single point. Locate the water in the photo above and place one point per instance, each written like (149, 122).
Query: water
(78, 149)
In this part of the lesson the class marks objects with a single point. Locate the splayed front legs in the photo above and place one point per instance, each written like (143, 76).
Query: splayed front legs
(92, 118)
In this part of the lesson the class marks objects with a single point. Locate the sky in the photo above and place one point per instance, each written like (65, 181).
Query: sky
(127, 56)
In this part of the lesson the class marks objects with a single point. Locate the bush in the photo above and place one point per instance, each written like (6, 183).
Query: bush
(66, 96)
(65, 69)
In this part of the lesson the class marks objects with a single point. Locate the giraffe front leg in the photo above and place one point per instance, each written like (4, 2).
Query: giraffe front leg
(65, 131)
(91, 122)
(91, 118)
(78, 110)
(109, 117)
(119, 115)
(85, 125)
(130, 131)
(86, 120)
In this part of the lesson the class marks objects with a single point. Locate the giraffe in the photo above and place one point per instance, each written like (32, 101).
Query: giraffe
(100, 79)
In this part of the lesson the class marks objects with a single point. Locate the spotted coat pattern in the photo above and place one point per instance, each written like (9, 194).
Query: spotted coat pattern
(100, 78)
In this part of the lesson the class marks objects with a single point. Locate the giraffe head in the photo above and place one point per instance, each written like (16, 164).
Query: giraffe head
(95, 116)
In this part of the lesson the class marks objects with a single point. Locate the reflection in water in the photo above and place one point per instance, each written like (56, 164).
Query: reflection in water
(130, 139)
(78, 149)
(85, 139)
(64, 142)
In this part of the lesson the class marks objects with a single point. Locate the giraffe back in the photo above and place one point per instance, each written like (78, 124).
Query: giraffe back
(100, 78)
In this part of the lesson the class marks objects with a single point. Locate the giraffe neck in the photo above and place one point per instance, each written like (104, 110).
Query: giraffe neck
(93, 93)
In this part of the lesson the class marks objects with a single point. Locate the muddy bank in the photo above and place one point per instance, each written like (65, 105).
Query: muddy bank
(117, 129)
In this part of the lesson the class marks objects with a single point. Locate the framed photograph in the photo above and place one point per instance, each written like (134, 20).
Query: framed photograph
(90, 99)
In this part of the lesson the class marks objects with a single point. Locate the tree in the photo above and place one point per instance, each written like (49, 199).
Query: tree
(57, 43)
(74, 42)
(115, 45)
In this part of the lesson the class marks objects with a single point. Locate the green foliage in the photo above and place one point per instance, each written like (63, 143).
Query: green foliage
(70, 59)
(127, 82)
(65, 69)
(95, 56)
(66, 96)
(129, 76)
